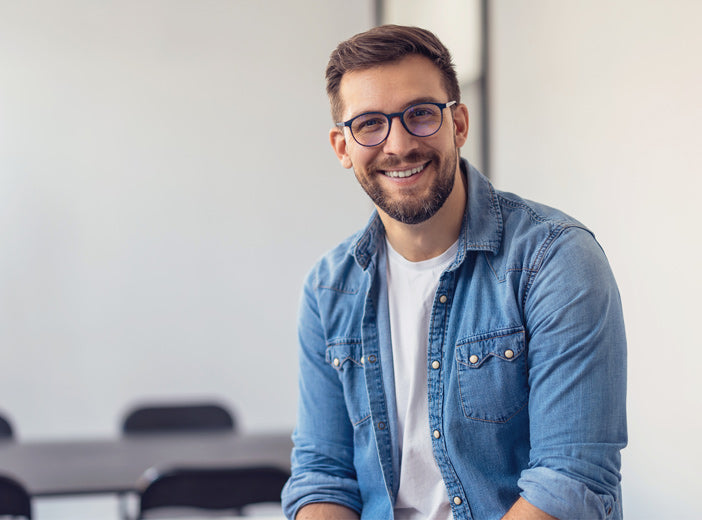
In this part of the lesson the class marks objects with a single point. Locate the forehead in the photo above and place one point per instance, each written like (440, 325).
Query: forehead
(391, 87)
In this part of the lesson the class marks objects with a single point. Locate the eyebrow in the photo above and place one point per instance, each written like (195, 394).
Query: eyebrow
(415, 101)
(425, 99)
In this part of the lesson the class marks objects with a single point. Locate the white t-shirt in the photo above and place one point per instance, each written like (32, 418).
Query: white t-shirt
(411, 290)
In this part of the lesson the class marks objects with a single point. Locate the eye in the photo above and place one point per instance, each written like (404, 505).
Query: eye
(422, 111)
(369, 123)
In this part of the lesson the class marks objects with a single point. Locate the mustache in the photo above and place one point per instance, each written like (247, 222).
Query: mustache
(394, 161)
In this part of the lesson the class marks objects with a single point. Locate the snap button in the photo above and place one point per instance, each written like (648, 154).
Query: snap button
(443, 298)
(509, 354)
(371, 358)
(457, 501)
(337, 362)
(435, 365)
(473, 359)
(437, 434)
(381, 425)
(363, 360)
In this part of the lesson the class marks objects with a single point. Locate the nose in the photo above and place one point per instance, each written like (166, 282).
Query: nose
(399, 141)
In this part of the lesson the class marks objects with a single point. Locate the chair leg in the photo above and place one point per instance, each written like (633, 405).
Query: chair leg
(124, 513)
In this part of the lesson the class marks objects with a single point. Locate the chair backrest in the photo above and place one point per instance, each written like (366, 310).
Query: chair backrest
(212, 489)
(14, 499)
(162, 418)
(6, 432)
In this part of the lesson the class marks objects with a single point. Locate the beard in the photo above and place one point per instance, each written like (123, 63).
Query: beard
(412, 208)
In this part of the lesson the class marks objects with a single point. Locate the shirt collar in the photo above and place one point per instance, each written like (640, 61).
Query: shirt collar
(481, 229)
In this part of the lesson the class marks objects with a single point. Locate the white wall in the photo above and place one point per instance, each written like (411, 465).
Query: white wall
(597, 111)
(165, 184)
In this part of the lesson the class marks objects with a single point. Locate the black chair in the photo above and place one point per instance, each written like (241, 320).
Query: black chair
(223, 490)
(14, 499)
(163, 418)
(6, 432)
(174, 418)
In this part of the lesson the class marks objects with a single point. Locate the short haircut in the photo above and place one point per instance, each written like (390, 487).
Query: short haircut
(386, 44)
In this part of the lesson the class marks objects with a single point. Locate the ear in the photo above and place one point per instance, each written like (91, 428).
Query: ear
(338, 142)
(460, 124)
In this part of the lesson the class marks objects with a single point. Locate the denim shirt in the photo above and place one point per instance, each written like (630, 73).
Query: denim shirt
(526, 370)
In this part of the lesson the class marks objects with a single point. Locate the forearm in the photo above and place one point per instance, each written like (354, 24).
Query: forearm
(577, 384)
(323, 481)
(523, 510)
(325, 510)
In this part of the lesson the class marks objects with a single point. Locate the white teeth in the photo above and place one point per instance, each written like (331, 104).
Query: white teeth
(403, 173)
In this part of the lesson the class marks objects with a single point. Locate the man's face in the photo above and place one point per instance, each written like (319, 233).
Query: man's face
(407, 177)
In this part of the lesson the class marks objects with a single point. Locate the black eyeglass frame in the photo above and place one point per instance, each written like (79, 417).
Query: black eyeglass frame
(401, 115)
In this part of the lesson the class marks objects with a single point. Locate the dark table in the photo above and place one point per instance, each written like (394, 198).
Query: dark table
(50, 468)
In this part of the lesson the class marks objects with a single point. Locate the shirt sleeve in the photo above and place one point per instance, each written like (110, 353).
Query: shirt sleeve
(577, 379)
(322, 457)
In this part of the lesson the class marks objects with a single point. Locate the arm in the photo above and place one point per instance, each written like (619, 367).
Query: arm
(322, 459)
(523, 510)
(577, 380)
(324, 511)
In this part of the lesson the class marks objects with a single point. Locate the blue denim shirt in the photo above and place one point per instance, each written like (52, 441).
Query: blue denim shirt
(528, 396)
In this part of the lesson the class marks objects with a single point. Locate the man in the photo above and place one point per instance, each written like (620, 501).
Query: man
(463, 356)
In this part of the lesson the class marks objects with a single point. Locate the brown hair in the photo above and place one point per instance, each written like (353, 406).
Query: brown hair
(385, 44)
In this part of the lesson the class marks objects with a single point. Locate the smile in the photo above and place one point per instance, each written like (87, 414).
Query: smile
(401, 174)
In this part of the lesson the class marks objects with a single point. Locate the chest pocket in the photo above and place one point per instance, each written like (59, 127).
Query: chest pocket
(492, 375)
(347, 360)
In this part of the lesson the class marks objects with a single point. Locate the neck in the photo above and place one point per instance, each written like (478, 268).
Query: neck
(418, 242)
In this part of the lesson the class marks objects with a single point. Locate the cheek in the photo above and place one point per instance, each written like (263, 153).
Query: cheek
(360, 157)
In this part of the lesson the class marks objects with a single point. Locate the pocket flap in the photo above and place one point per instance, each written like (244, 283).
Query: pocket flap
(506, 344)
(338, 355)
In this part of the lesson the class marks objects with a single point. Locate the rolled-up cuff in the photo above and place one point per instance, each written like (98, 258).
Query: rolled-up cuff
(314, 487)
(566, 498)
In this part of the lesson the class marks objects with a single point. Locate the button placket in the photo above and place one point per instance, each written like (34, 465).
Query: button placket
(437, 344)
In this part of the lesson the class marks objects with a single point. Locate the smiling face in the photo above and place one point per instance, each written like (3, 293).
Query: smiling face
(408, 178)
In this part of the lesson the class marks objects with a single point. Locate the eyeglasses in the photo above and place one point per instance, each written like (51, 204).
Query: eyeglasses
(420, 120)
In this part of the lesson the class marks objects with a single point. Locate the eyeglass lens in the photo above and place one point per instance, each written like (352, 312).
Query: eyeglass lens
(419, 120)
